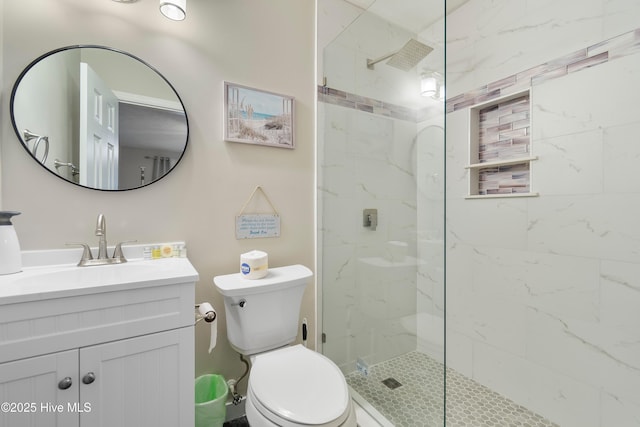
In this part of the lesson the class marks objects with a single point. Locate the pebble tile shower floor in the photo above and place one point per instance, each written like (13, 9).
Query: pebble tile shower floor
(418, 401)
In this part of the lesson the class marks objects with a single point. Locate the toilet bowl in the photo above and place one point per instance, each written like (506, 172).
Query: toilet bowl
(288, 386)
(295, 386)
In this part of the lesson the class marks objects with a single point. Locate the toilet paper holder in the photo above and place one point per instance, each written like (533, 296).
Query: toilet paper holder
(209, 315)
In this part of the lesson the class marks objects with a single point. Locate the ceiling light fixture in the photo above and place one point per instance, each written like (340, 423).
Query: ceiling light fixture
(175, 10)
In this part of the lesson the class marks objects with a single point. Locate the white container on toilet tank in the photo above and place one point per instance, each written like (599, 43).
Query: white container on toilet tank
(10, 256)
(254, 264)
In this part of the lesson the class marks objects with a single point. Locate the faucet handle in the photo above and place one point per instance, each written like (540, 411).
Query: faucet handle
(117, 252)
(86, 253)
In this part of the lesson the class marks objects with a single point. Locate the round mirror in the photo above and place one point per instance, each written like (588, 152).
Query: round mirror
(99, 118)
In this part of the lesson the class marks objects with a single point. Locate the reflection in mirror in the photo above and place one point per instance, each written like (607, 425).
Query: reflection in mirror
(99, 118)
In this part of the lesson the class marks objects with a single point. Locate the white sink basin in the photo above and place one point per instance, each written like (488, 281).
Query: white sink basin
(41, 282)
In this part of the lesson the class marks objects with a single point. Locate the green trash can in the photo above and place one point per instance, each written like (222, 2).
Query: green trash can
(211, 397)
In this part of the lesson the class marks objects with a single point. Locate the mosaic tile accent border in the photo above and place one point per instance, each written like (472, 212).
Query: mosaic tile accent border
(616, 47)
(419, 401)
(369, 105)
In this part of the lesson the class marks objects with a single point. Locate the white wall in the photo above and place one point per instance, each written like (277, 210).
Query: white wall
(543, 296)
(50, 117)
(267, 45)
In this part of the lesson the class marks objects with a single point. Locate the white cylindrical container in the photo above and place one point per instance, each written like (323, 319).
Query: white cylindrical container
(254, 264)
(10, 256)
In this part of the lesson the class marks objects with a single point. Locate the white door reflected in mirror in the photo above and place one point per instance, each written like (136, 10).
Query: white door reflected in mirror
(98, 132)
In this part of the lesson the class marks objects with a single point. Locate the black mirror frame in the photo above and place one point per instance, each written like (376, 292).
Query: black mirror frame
(52, 52)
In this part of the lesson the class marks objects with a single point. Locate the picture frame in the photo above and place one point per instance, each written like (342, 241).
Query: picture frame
(255, 116)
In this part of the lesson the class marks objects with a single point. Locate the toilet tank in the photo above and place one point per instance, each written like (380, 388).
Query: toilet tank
(262, 314)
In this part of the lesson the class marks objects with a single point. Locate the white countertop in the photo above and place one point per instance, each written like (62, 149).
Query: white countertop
(54, 274)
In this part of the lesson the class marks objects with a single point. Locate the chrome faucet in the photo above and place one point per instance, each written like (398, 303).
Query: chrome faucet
(102, 259)
(101, 231)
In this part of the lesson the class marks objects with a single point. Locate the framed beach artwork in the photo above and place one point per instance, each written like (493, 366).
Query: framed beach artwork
(254, 116)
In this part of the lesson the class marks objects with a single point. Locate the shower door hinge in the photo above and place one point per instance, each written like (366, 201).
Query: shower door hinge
(324, 338)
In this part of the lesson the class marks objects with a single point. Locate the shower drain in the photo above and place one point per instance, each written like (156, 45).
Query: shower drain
(392, 383)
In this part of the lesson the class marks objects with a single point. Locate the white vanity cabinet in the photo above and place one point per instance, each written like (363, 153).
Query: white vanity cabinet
(146, 381)
(112, 355)
(27, 384)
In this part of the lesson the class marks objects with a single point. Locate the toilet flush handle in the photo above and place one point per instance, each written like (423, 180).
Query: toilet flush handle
(241, 303)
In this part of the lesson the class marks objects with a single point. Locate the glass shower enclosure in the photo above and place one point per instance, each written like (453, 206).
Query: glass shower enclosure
(381, 207)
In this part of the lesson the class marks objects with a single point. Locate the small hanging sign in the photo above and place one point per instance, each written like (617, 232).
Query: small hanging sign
(251, 226)
(257, 225)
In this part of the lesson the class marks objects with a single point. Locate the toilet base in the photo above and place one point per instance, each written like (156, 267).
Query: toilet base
(256, 419)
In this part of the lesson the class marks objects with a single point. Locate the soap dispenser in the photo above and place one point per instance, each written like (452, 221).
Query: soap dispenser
(10, 257)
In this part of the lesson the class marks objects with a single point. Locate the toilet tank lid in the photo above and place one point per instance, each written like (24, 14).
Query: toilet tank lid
(277, 278)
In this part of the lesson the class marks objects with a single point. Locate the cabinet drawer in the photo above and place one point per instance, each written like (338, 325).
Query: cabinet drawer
(45, 326)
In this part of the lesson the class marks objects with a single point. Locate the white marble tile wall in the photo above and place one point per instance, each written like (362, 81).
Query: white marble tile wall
(378, 305)
(370, 36)
(430, 236)
(490, 40)
(543, 295)
(366, 162)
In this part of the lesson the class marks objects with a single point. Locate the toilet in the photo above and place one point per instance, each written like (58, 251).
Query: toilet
(288, 385)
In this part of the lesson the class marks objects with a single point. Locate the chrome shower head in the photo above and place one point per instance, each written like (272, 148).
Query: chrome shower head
(406, 58)
(409, 56)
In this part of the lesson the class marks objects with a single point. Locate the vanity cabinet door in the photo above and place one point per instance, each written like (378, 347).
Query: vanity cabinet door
(40, 391)
(139, 382)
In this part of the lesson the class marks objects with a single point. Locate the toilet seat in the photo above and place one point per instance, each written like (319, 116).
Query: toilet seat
(296, 386)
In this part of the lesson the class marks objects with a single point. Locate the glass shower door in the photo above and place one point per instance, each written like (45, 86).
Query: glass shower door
(381, 212)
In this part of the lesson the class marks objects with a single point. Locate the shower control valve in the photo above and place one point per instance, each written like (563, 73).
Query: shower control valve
(370, 218)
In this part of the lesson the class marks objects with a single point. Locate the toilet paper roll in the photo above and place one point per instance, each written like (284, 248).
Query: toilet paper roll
(214, 334)
(204, 309)
(254, 264)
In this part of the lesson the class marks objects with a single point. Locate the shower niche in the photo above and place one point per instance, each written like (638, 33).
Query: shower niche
(500, 147)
